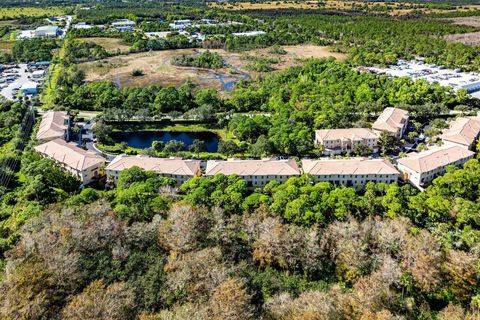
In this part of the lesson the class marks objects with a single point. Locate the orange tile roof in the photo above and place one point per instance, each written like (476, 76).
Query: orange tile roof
(264, 167)
(52, 125)
(69, 154)
(351, 166)
(463, 130)
(435, 158)
(174, 166)
(391, 120)
(345, 134)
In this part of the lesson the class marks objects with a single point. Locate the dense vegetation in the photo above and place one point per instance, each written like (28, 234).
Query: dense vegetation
(284, 250)
(207, 59)
(76, 51)
(35, 49)
(212, 248)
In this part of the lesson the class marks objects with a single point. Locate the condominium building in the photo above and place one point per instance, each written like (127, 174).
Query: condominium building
(83, 164)
(257, 173)
(337, 141)
(421, 168)
(352, 172)
(54, 125)
(393, 121)
(175, 168)
(463, 131)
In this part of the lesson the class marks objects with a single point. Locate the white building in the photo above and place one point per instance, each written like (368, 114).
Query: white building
(38, 74)
(175, 168)
(25, 34)
(47, 31)
(393, 121)
(421, 168)
(29, 88)
(85, 165)
(54, 125)
(180, 24)
(337, 141)
(158, 34)
(248, 33)
(352, 172)
(257, 173)
(463, 131)
(82, 25)
(123, 25)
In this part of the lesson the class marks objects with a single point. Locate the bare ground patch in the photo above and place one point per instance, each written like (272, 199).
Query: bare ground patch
(158, 70)
(473, 21)
(109, 44)
(471, 38)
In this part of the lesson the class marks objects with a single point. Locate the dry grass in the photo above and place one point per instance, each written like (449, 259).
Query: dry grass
(17, 12)
(395, 8)
(6, 46)
(158, 70)
(473, 21)
(471, 38)
(110, 44)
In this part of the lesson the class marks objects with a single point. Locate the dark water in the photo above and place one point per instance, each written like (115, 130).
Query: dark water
(144, 139)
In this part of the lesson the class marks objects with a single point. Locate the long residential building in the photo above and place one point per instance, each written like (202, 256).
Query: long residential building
(175, 168)
(54, 125)
(338, 141)
(393, 121)
(352, 172)
(421, 168)
(257, 173)
(83, 164)
(463, 131)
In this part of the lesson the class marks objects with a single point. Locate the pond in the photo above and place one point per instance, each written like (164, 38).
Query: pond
(144, 139)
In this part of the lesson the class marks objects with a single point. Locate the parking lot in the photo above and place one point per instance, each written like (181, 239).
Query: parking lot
(16, 76)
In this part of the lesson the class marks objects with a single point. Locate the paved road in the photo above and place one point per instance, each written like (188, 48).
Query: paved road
(91, 146)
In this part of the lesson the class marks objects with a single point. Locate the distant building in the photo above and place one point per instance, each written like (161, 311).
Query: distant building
(83, 164)
(82, 25)
(47, 31)
(25, 34)
(38, 74)
(175, 168)
(180, 24)
(54, 125)
(257, 173)
(353, 172)
(421, 168)
(248, 34)
(463, 131)
(123, 25)
(158, 34)
(29, 88)
(337, 141)
(393, 121)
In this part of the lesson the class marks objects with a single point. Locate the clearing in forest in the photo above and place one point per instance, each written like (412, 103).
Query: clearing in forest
(158, 70)
(470, 38)
(473, 21)
(110, 44)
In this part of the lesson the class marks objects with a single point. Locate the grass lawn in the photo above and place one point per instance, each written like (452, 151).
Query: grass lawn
(18, 12)
(6, 46)
(109, 44)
